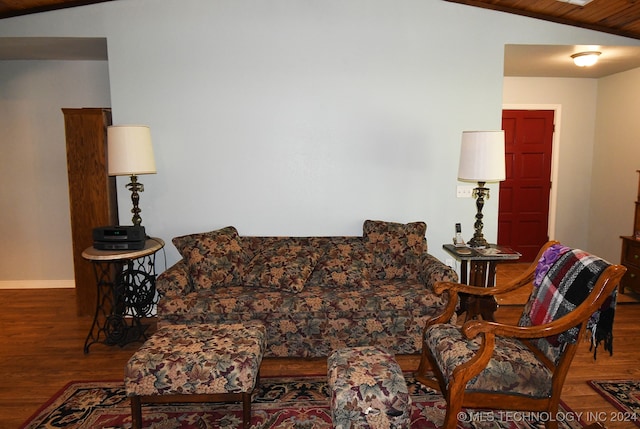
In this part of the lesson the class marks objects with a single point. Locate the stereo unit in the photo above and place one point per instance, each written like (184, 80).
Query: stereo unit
(122, 245)
(119, 237)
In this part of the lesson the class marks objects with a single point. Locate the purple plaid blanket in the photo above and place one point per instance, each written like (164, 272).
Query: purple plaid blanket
(563, 279)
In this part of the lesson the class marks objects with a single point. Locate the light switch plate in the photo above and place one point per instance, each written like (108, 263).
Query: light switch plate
(464, 191)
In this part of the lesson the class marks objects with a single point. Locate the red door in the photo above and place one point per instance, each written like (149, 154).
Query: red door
(523, 210)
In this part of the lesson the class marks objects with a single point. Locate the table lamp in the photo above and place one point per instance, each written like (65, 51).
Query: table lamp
(130, 153)
(481, 160)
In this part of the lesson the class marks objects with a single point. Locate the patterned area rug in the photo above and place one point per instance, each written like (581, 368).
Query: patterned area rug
(283, 403)
(624, 395)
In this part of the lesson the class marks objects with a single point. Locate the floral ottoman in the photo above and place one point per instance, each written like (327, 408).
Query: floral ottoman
(368, 390)
(196, 363)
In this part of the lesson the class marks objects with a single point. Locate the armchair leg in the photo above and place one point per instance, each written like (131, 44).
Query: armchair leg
(425, 364)
(454, 404)
(424, 373)
(451, 418)
(552, 423)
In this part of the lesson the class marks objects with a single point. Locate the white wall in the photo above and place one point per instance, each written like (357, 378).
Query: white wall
(614, 181)
(306, 120)
(299, 117)
(34, 194)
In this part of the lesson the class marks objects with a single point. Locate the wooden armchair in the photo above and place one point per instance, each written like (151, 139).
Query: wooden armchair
(491, 365)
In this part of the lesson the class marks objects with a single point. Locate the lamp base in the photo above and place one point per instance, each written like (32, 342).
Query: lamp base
(134, 186)
(478, 241)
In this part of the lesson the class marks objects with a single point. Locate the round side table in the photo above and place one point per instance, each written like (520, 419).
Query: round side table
(126, 282)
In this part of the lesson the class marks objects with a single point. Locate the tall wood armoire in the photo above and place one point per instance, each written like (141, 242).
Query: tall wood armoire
(92, 193)
(631, 252)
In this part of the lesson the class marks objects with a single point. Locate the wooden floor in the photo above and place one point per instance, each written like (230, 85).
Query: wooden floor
(41, 350)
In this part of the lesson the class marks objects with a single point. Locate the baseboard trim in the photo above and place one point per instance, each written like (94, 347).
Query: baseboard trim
(37, 284)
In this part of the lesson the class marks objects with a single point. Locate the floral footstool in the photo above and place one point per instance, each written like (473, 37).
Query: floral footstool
(368, 390)
(196, 363)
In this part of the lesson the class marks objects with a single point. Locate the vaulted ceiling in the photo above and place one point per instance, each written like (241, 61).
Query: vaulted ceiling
(9, 8)
(620, 17)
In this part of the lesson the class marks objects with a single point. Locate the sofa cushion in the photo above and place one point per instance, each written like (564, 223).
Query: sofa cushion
(285, 265)
(213, 258)
(317, 320)
(346, 262)
(396, 248)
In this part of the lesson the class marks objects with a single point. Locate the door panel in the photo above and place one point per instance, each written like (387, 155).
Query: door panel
(523, 212)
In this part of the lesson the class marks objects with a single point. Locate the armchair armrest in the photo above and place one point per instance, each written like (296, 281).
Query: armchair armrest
(175, 280)
(473, 328)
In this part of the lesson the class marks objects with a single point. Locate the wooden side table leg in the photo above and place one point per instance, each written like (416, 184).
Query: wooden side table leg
(463, 272)
(490, 305)
(478, 273)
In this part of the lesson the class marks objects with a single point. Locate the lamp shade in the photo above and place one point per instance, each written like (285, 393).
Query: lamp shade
(482, 156)
(129, 150)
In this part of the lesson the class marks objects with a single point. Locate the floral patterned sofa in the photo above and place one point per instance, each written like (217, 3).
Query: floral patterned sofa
(313, 294)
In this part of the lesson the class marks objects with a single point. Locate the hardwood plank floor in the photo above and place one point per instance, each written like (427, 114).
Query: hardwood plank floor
(42, 338)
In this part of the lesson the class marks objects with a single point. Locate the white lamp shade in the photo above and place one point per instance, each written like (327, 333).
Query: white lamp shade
(482, 156)
(129, 150)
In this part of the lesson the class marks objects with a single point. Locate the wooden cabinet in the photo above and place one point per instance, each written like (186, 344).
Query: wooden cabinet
(92, 193)
(631, 252)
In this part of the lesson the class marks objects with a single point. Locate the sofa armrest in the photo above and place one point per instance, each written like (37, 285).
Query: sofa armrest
(175, 280)
(433, 270)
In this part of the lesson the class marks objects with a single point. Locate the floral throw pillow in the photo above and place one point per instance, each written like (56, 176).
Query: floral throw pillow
(344, 264)
(396, 248)
(285, 265)
(213, 258)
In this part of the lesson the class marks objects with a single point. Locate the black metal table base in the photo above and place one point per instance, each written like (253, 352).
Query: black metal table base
(126, 296)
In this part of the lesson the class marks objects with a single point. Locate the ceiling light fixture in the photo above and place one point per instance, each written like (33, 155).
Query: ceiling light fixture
(578, 2)
(586, 59)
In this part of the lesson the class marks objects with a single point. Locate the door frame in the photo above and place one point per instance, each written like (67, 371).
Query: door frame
(555, 158)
